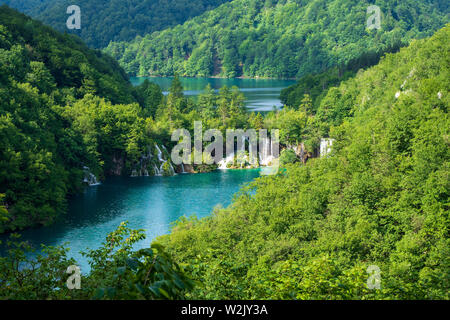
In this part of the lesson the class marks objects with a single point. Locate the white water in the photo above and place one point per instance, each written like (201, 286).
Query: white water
(223, 163)
(325, 146)
(89, 177)
(265, 153)
(141, 169)
(160, 154)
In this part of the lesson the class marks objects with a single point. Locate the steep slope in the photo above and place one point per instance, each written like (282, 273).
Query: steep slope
(63, 106)
(27, 6)
(281, 39)
(377, 203)
(117, 20)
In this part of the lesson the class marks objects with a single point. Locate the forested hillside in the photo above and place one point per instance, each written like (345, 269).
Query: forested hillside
(26, 6)
(379, 199)
(114, 20)
(63, 106)
(282, 39)
(317, 85)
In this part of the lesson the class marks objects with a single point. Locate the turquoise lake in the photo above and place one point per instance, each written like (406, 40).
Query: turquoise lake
(260, 94)
(154, 203)
(150, 203)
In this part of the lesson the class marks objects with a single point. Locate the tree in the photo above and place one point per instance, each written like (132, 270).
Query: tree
(207, 102)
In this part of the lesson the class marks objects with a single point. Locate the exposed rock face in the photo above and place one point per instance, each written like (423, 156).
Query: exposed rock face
(118, 163)
(154, 162)
(301, 152)
(304, 155)
(185, 168)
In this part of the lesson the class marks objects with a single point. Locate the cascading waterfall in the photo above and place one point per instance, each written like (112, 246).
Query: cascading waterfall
(156, 169)
(160, 154)
(265, 155)
(89, 177)
(161, 160)
(148, 160)
(223, 163)
(325, 146)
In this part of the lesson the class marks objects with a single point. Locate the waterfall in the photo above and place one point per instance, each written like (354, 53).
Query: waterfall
(147, 160)
(265, 155)
(172, 170)
(157, 171)
(325, 146)
(223, 163)
(182, 168)
(244, 139)
(89, 177)
(160, 154)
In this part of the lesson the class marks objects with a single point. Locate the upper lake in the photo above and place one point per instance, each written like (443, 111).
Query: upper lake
(260, 94)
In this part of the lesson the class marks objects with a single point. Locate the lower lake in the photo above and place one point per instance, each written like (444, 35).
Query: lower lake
(150, 203)
(154, 203)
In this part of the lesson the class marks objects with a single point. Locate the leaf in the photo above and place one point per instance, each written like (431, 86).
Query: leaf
(133, 263)
(164, 293)
(121, 271)
(99, 294)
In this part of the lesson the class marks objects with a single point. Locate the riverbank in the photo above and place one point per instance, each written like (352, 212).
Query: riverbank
(261, 95)
(215, 77)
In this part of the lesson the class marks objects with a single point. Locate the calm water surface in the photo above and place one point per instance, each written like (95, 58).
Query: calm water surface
(153, 203)
(150, 203)
(260, 94)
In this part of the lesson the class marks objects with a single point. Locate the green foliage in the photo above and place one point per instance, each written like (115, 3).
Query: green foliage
(62, 107)
(40, 278)
(167, 170)
(380, 198)
(317, 85)
(148, 274)
(149, 96)
(294, 125)
(109, 131)
(287, 156)
(288, 39)
(3, 210)
(103, 21)
(117, 272)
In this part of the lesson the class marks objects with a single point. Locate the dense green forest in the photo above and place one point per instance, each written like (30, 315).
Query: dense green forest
(317, 85)
(280, 39)
(25, 6)
(64, 107)
(117, 20)
(380, 198)
(46, 138)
